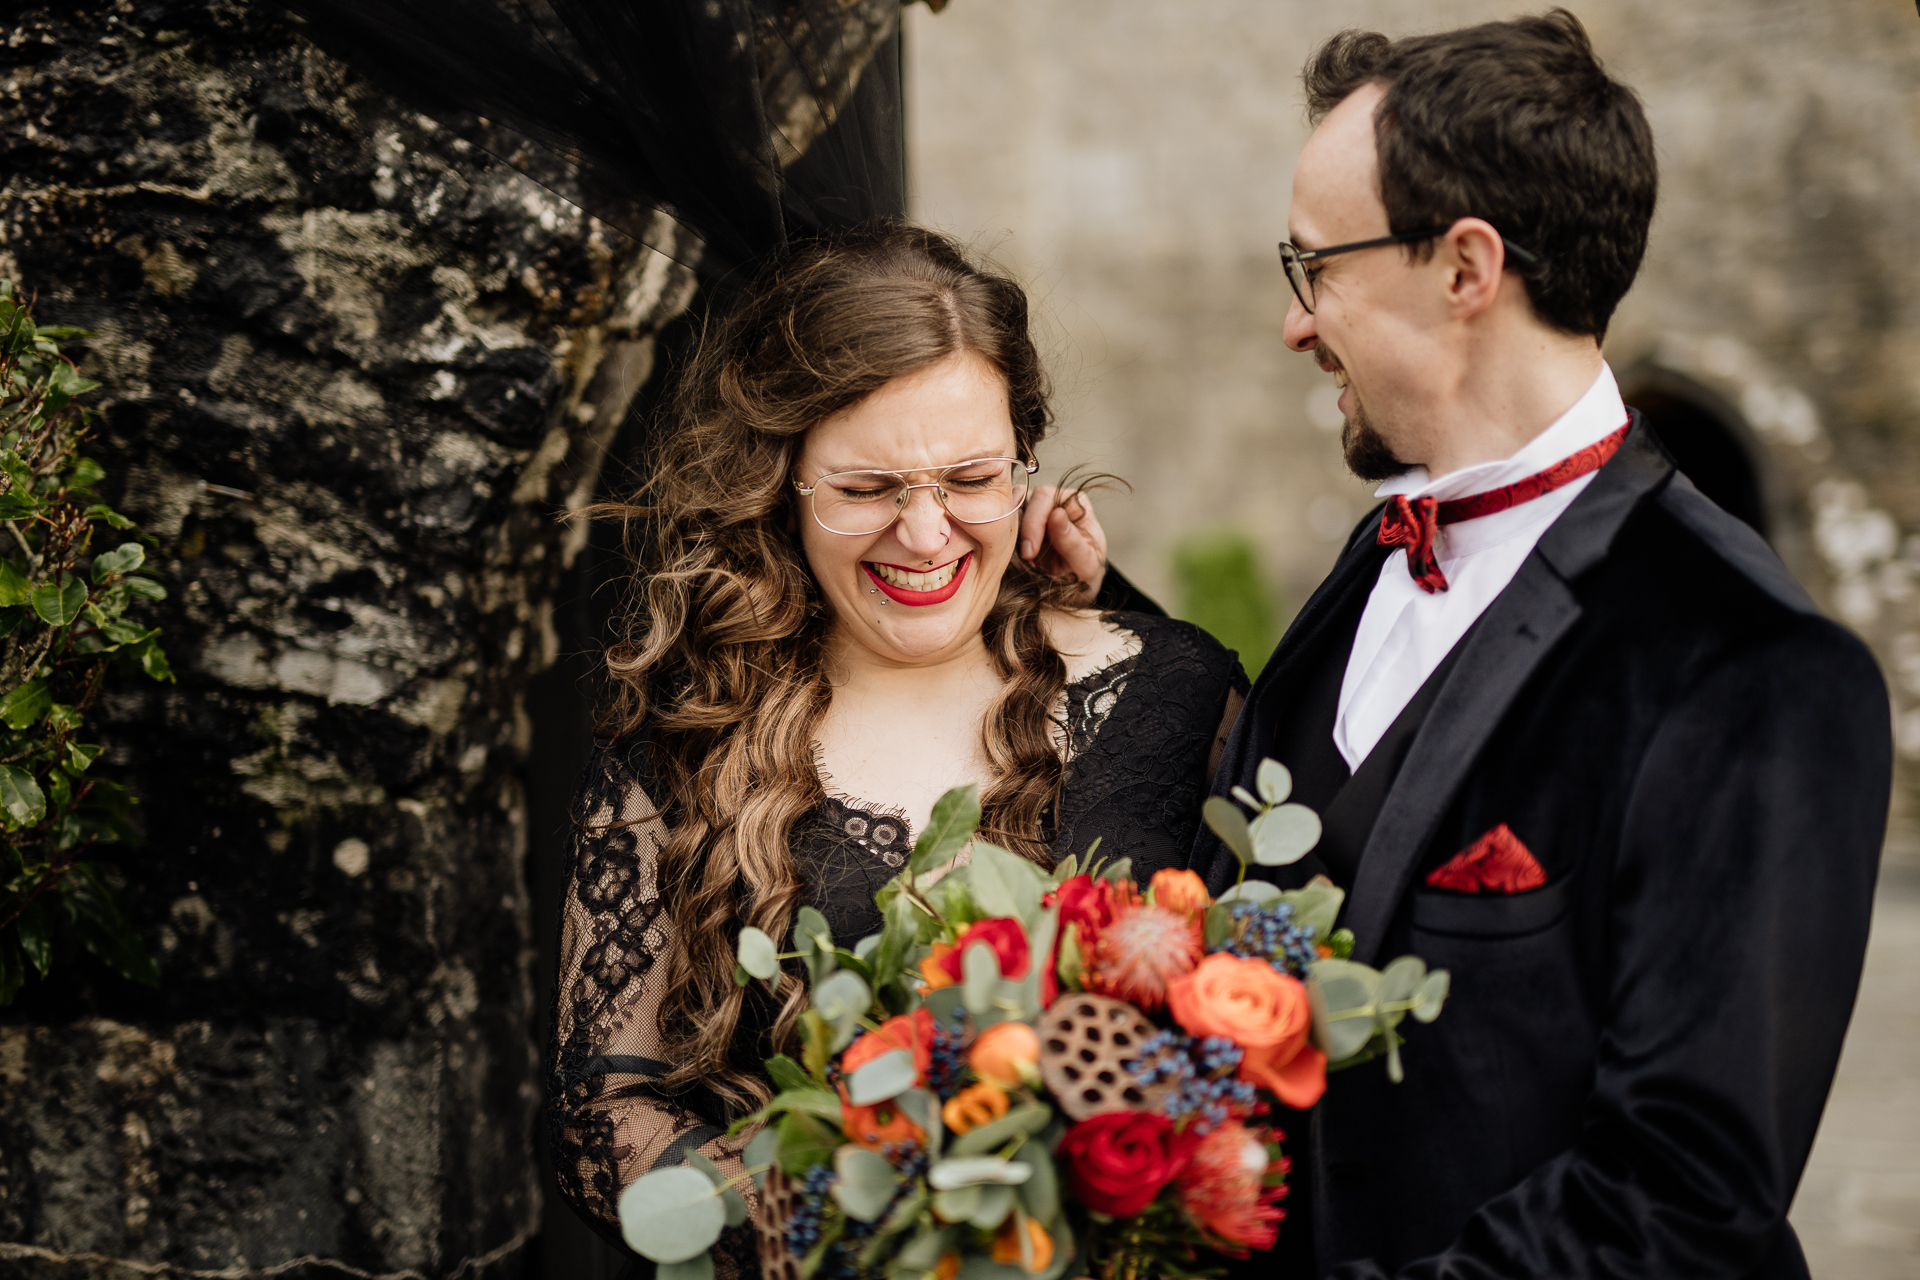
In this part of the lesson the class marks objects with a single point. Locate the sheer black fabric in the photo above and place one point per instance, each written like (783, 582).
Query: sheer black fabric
(1140, 734)
(747, 121)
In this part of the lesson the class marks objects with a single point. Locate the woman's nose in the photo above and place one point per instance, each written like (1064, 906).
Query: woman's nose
(923, 526)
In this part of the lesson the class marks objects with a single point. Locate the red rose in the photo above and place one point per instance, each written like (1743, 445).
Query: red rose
(1082, 902)
(1005, 935)
(1118, 1161)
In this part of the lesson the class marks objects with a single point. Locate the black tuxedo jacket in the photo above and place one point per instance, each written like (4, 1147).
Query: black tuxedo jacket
(1631, 1066)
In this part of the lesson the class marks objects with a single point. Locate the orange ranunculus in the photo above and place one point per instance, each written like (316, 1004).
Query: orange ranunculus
(1006, 1243)
(1007, 1054)
(912, 1032)
(1179, 890)
(1263, 1011)
(933, 972)
(948, 1267)
(974, 1106)
(878, 1125)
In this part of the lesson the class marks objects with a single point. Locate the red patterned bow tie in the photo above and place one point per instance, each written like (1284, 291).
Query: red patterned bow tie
(1413, 524)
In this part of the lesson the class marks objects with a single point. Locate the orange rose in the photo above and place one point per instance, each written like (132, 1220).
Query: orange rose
(1263, 1011)
(878, 1125)
(1179, 890)
(910, 1031)
(933, 973)
(1006, 1244)
(948, 1267)
(1006, 1053)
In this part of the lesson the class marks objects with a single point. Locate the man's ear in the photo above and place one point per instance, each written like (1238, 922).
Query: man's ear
(1475, 259)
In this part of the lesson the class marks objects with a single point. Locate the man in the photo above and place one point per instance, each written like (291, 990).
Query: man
(1574, 733)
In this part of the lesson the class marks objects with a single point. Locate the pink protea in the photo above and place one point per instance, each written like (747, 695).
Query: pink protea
(1140, 951)
(1225, 1189)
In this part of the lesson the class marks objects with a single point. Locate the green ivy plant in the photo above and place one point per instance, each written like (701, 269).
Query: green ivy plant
(69, 590)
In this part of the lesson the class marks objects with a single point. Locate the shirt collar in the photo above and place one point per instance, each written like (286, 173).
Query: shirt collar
(1594, 416)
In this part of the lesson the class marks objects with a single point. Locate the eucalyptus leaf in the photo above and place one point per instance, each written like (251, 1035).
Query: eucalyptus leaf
(917, 1104)
(865, 1183)
(1255, 891)
(1401, 979)
(1003, 883)
(1028, 1118)
(1284, 835)
(865, 948)
(1041, 1192)
(957, 1205)
(671, 1215)
(758, 956)
(996, 1202)
(1225, 820)
(1432, 996)
(922, 1253)
(969, 1171)
(887, 1076)
(813, 940)
(843, 999)
(1317, 905)
(1040, 943)
(1216, 925)
(698, 1267)
(1119, 871)
(761, 1150)
(1274, 781)
(1064, 870)
(1245, 797)
(804, 1143)
(980, 970)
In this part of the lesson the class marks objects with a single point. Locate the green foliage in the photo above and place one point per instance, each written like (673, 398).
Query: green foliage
(67, 625)
(1223, 591)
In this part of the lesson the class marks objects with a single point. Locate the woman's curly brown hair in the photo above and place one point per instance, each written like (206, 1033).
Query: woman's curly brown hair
(720, 660)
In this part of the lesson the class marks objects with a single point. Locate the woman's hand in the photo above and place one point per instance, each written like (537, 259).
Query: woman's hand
(1059, 534)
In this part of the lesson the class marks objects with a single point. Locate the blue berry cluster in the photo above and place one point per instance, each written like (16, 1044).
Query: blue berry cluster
(1269, 933)
(949, 1055)
(1205, 1091)
(803, 1228)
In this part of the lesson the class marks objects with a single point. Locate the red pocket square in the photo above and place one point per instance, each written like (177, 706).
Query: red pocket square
(1495, 863)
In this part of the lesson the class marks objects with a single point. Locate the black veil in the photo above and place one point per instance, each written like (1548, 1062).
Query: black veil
(747, 122)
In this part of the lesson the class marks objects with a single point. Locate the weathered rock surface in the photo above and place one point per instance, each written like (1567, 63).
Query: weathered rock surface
(352, 371)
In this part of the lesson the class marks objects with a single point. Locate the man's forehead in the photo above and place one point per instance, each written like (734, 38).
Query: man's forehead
(1336, 186)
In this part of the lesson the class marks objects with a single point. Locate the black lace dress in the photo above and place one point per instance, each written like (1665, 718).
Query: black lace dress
(1141, 736)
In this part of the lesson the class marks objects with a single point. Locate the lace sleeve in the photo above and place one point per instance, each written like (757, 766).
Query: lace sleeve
(607, 1121)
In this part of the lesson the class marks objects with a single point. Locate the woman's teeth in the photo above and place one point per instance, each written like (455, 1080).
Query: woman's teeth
(908, 580)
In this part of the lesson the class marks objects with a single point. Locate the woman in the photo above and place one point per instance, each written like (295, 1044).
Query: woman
(830, 628)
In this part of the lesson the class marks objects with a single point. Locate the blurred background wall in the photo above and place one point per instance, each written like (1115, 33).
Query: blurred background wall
(1130, 159)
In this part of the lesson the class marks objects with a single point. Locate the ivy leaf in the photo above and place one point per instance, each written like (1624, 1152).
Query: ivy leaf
(154, 662)
(36, 937)
(59, 604)
(25, 705)
(14, 587)
(86, 472)
(93, 909)
(124, 558)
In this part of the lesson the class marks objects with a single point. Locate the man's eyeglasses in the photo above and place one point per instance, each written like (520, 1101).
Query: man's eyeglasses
(863, 502)
(1301, 276)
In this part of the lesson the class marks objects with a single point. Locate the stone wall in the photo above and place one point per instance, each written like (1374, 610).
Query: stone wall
(352, 372)
(1131, 159)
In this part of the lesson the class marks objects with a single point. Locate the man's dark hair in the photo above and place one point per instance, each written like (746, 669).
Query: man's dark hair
(1518, 123)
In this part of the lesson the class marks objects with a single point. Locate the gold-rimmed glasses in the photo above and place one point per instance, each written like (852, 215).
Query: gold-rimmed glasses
(978, 491)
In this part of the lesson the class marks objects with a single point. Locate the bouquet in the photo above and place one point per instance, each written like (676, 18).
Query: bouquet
(1030, 1074)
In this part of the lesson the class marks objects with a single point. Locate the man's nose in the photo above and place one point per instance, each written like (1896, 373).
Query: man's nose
(1300, 332)
(923, 526)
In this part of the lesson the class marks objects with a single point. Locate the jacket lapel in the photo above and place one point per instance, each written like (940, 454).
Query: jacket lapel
(1501, 653)
(1356, 570)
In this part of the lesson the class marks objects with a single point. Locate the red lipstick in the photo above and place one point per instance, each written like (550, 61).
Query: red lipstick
(900, 595)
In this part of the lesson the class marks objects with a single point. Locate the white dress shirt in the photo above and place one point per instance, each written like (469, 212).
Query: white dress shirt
(1406, 632)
